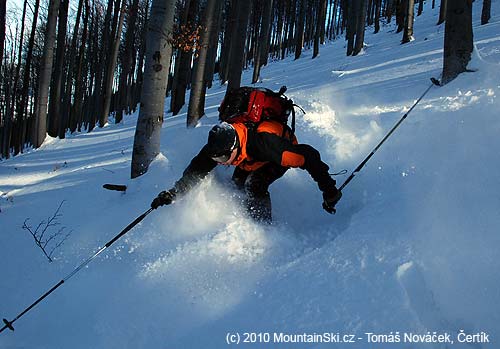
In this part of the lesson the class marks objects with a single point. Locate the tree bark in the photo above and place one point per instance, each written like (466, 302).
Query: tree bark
(389, 5)
(158, 53)
(401, 12)
(360, 28)
(442, 11)
(408, 31)
(420, 7)
(40, 131)
(237, 49)
(76, 112)
(353, 8)
(55, 116)
(377, 16)
(128, 57)
(142, 53)
(113, 55)
(183, 63)
(27, 66)
(213, 46)
(320, 25)
(299, 34)
(229, 30)
(263, 44)
(66, 105)
(197, 96)
(458, 39)
(3, 11)
(486, 12)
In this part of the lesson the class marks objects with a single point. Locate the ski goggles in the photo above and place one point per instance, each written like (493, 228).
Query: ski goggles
(222, 158)
(226, 155)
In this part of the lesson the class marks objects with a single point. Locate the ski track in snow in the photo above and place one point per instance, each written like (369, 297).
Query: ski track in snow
(412, 247)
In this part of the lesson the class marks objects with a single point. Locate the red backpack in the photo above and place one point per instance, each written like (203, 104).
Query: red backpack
(253, 105)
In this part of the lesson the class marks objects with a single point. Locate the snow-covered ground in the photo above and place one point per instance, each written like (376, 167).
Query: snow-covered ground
(414, 246)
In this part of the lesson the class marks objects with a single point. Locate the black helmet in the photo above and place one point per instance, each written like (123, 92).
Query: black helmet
(222, 140)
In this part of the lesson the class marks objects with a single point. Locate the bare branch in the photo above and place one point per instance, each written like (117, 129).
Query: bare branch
(55, 239)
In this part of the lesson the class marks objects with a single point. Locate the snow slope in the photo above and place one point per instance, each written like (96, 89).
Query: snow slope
(413, 247)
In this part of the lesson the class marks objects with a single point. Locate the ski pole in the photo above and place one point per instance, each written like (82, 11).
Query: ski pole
(363, 163)
(8, 324)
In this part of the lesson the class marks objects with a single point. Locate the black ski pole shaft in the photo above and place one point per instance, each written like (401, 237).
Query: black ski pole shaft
(9, 324)
(363, 163)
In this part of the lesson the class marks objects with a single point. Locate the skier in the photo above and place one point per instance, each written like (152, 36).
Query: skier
(262, 153)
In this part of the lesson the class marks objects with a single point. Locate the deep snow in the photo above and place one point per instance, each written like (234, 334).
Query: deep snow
(413, 247)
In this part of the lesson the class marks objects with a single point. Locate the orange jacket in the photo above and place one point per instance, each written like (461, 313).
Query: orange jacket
(270, 141)
(247, 163)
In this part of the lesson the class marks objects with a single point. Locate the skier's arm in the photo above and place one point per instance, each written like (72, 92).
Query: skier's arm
(199, 168)
(270, 147)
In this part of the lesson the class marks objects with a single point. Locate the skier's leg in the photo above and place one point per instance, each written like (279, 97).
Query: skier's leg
(239, 177)
(257, 190)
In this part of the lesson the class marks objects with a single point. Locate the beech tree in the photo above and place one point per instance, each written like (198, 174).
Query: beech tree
(458, 39)
(184, 56)
(360, 27)
(486, 12)
(299, 33)
(262, 49)
(3, 12)
(111, 64)
(158, 52)
(236, 51)
(408, 30)
(55, 120)
(197, 96)
(40, 131)
(442, 11)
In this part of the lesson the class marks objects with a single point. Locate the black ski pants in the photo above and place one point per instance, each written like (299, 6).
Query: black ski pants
(256, 186)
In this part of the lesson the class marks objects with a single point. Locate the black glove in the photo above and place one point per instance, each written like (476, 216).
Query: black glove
(330, 198)
(164, 198)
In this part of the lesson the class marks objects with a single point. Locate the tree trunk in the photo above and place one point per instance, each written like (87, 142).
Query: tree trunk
(19, 145)
(377, 16)
(158, 53)
(389, 4)
(229, 30)
(458, 39)
(27, 66)
(76, 111)
(401, 12)
(128, 57)
(486, 12)
(40, 131)
(353, 7)
(57, 75)
(113, 55)
(360, 28)
(420, 7)
(142, 56)
(320, 25)
(408, 32)
(308, 34)
(369, 14)
(299, 33)
(66, 105)
(213, 46)
(183, 63)
(197, 96)
(263, 44)
(3, 11)
(443, 11)
(236, 52)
